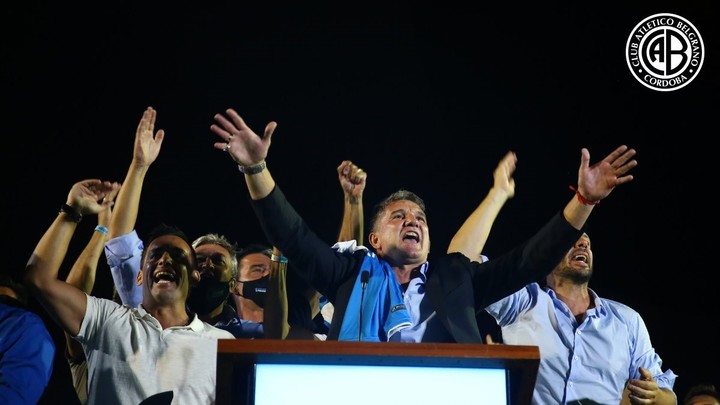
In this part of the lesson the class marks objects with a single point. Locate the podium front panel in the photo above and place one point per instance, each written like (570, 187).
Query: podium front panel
(258, 372)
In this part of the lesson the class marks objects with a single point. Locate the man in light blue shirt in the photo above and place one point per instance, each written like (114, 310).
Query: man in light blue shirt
(592, 350)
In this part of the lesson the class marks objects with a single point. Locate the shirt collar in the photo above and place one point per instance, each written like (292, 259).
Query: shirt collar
(195, 323)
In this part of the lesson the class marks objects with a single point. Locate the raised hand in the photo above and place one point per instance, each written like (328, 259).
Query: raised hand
(108, 201)
(502, 176)
(352, 180)
(147, 143)
(597, 181)
(244, 146)
(88, 196)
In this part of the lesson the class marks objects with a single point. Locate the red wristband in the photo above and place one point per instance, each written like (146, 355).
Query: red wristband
(582, 199)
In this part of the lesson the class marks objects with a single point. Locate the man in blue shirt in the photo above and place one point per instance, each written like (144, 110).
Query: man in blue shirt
(27, 350)
(590, 347)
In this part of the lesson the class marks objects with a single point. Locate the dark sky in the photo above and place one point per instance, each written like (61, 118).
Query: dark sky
(423, 96)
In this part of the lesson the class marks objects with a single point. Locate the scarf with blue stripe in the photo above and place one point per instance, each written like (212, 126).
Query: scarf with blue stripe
(383, 308)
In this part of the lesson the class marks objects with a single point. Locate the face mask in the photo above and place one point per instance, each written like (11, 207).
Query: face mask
(207, 295)
(255, 290)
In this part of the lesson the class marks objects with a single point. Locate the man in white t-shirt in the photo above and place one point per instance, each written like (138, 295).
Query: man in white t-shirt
(133, 353)
(156, 352)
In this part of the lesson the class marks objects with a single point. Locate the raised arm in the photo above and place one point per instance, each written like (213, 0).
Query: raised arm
(275, 313)
(145, 151)
(65, 303)
(471, 237)
(352, 180)
(594, 183)
(316, 263)
(123, 249)
(82, 274)
(597, 182)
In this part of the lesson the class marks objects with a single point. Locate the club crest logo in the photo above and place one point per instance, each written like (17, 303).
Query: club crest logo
(665, 52)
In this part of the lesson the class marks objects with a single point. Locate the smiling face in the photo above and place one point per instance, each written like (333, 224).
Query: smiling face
(577, 265)
(167, 263)
(400, 234)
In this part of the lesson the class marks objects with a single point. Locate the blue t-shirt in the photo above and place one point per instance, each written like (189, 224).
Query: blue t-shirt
(27, 352)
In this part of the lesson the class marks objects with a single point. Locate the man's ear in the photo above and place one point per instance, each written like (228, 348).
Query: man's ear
(237, 288)
(373, 240)
(139, 278)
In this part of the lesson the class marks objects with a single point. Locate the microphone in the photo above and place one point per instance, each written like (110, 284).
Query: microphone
(364, 277)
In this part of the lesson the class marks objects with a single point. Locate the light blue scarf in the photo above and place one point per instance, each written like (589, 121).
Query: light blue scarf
(383, 308)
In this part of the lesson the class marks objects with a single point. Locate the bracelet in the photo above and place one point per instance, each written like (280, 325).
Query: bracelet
(279, 259)
(582, 199)
(71, 212)
(254, 169)
(102, 230)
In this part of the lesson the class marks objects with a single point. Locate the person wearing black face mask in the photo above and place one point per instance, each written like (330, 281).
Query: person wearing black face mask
(253, 265)
(214, 280)
(260, 296)
(267, 293)
(255, 290)
(208, 295)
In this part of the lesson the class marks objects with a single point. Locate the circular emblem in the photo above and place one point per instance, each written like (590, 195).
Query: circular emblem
(665, 52)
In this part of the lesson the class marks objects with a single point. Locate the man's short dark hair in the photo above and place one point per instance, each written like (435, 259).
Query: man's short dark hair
(13, 281)
(254, 248)
(165, 229)
(701, 389)
(400, 195)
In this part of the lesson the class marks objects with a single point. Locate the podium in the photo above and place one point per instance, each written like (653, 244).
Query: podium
(245, 367)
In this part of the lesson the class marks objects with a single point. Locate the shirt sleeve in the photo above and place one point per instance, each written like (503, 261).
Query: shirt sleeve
(123, 255)
(644, 356)
(507, 310)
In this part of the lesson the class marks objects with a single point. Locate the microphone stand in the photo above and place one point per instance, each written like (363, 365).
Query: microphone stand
(364, 277)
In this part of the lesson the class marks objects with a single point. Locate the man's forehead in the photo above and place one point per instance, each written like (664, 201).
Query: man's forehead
(253, 258)
(403, 205)
(168, 241)
(210, 248)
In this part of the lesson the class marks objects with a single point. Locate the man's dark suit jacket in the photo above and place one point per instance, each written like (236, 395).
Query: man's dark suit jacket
(456, 289)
